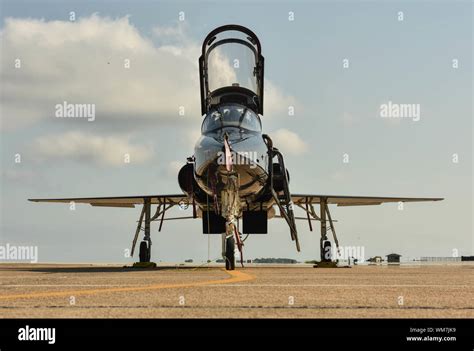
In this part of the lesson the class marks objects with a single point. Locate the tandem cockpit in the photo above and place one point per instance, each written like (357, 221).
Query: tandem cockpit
(231, 75)
(233, 119)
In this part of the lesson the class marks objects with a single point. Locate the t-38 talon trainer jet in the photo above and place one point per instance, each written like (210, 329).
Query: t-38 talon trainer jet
(236, 173)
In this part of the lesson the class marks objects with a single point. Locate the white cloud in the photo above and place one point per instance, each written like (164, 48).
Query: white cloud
(83, 62)
(78, 146)
(288, 142)
(276, 102)
(171, 33)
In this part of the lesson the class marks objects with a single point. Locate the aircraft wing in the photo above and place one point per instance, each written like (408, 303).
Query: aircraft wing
(122, 201)
(302, 199)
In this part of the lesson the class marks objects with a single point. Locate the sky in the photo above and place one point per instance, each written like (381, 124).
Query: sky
(334, 63)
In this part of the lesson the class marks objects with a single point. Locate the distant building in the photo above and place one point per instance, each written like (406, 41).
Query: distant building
(393, 258)
(375, 259)
(467, 258)
(188, 261)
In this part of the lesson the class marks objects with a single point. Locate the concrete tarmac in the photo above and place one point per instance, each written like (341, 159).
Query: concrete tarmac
(267, 291)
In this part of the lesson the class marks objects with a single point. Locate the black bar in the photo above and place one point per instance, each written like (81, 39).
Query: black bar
(334, 333)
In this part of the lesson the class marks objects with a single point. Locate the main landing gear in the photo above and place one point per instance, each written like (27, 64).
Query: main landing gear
(326, 259)
(145, 245)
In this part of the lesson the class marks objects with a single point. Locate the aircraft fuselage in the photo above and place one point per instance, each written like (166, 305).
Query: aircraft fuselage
(241, 127)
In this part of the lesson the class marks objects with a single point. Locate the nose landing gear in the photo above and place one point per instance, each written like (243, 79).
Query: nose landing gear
(230, 209)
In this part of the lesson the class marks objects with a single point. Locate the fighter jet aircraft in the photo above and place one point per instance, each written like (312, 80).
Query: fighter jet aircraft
(236, 175)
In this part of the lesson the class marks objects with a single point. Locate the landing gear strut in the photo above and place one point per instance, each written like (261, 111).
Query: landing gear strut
(325, 244)
(145, 245)
(230, 210)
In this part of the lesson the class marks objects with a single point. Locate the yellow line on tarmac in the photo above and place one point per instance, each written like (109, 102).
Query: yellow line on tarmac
(236, 277)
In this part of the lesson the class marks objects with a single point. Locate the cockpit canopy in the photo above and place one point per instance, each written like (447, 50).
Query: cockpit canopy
(231, 115)
(231, 69)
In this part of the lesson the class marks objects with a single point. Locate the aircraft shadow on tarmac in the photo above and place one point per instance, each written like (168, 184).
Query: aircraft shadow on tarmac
(100, 269)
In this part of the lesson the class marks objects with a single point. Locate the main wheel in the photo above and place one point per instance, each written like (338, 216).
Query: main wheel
(327, 251)
(230, 254)
(144, 252)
